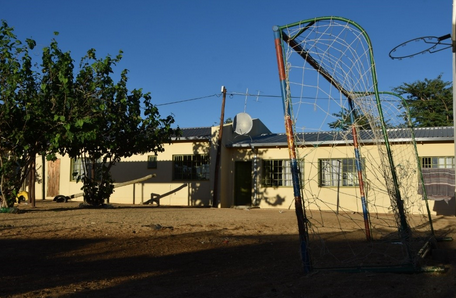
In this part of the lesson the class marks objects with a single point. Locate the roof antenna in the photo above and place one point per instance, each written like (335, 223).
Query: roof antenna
(246, 96)
(258, 96)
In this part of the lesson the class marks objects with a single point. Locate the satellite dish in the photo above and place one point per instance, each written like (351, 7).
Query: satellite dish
(242, 124)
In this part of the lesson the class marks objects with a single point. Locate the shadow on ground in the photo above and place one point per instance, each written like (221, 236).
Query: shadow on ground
(203, 264)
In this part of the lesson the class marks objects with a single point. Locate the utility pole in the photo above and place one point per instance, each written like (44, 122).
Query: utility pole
(215, 194)
(453, 42)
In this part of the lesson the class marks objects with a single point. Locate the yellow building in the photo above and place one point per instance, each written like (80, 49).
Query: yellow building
(254, 171)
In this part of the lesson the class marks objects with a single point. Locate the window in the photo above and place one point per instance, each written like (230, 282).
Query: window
(277, 172)
(78, 169)
(338, 172)
(191, 167)
(438, 177)
(152, 162)
(445, 162)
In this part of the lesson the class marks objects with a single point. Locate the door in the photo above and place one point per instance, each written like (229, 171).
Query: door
(243, 183)
(53, 180)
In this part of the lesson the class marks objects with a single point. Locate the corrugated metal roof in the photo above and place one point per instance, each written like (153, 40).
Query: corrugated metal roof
(196, 133)
(422, 134)
(431, 134)
(445, 132)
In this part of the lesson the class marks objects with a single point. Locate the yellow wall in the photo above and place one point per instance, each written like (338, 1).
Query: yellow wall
(194, 193)
(344, 198)
(199, 193)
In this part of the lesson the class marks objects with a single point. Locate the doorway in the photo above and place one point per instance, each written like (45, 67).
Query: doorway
(243, 183)
(53, 178)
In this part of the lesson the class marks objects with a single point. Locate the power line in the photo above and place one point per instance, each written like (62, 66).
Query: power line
(253, 95)
(185, 100)
(232, 94)
(295, 97)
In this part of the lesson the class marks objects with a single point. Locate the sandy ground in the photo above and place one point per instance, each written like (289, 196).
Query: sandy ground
(60, 250)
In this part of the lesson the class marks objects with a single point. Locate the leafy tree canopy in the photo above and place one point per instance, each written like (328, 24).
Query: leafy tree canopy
(17, 116)
(112, 123)
(430, 102)
(50, 107)
(344, 120)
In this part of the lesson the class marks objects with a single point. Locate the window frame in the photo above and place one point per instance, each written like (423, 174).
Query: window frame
(79, 160)
(191, 167)
(437, 162)
(152, 162)
(282, 176)
(347, 177)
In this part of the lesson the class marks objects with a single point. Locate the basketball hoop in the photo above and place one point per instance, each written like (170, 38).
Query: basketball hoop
(420, 45)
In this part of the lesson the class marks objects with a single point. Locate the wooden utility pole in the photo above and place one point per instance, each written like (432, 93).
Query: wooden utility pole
(215, 194)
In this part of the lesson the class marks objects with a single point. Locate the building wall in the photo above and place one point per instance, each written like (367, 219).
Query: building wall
(438, 150)
(283, 197)
(199, 193)
(229, 156)
(182, 193)
(342, 198)
(435, 149)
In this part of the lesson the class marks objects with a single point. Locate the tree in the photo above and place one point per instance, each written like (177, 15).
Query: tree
(17, 93)
(430, 102)
(344, 121)
(52, 108)
(28, 122)
(104, 122)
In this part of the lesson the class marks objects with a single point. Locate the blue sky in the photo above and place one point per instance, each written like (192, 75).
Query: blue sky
(184, 51)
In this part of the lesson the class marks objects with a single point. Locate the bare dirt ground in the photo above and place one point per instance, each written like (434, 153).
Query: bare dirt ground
(60, 250)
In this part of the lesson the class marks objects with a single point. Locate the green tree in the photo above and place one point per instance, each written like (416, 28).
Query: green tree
(28, 124)
(52, 108)
(17, 91)
(344, 121)
(103, 122)
(430, 102)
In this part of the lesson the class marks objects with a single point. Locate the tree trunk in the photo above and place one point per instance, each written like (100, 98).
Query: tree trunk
(32, 182)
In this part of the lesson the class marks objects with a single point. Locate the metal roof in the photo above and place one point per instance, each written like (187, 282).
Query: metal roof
(196, 133)
(426, 134)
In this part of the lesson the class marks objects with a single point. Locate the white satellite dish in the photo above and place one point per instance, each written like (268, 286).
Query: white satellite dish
(242, 124)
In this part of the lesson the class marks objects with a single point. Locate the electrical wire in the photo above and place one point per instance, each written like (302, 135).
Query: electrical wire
(232, 94)
(186, 100)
